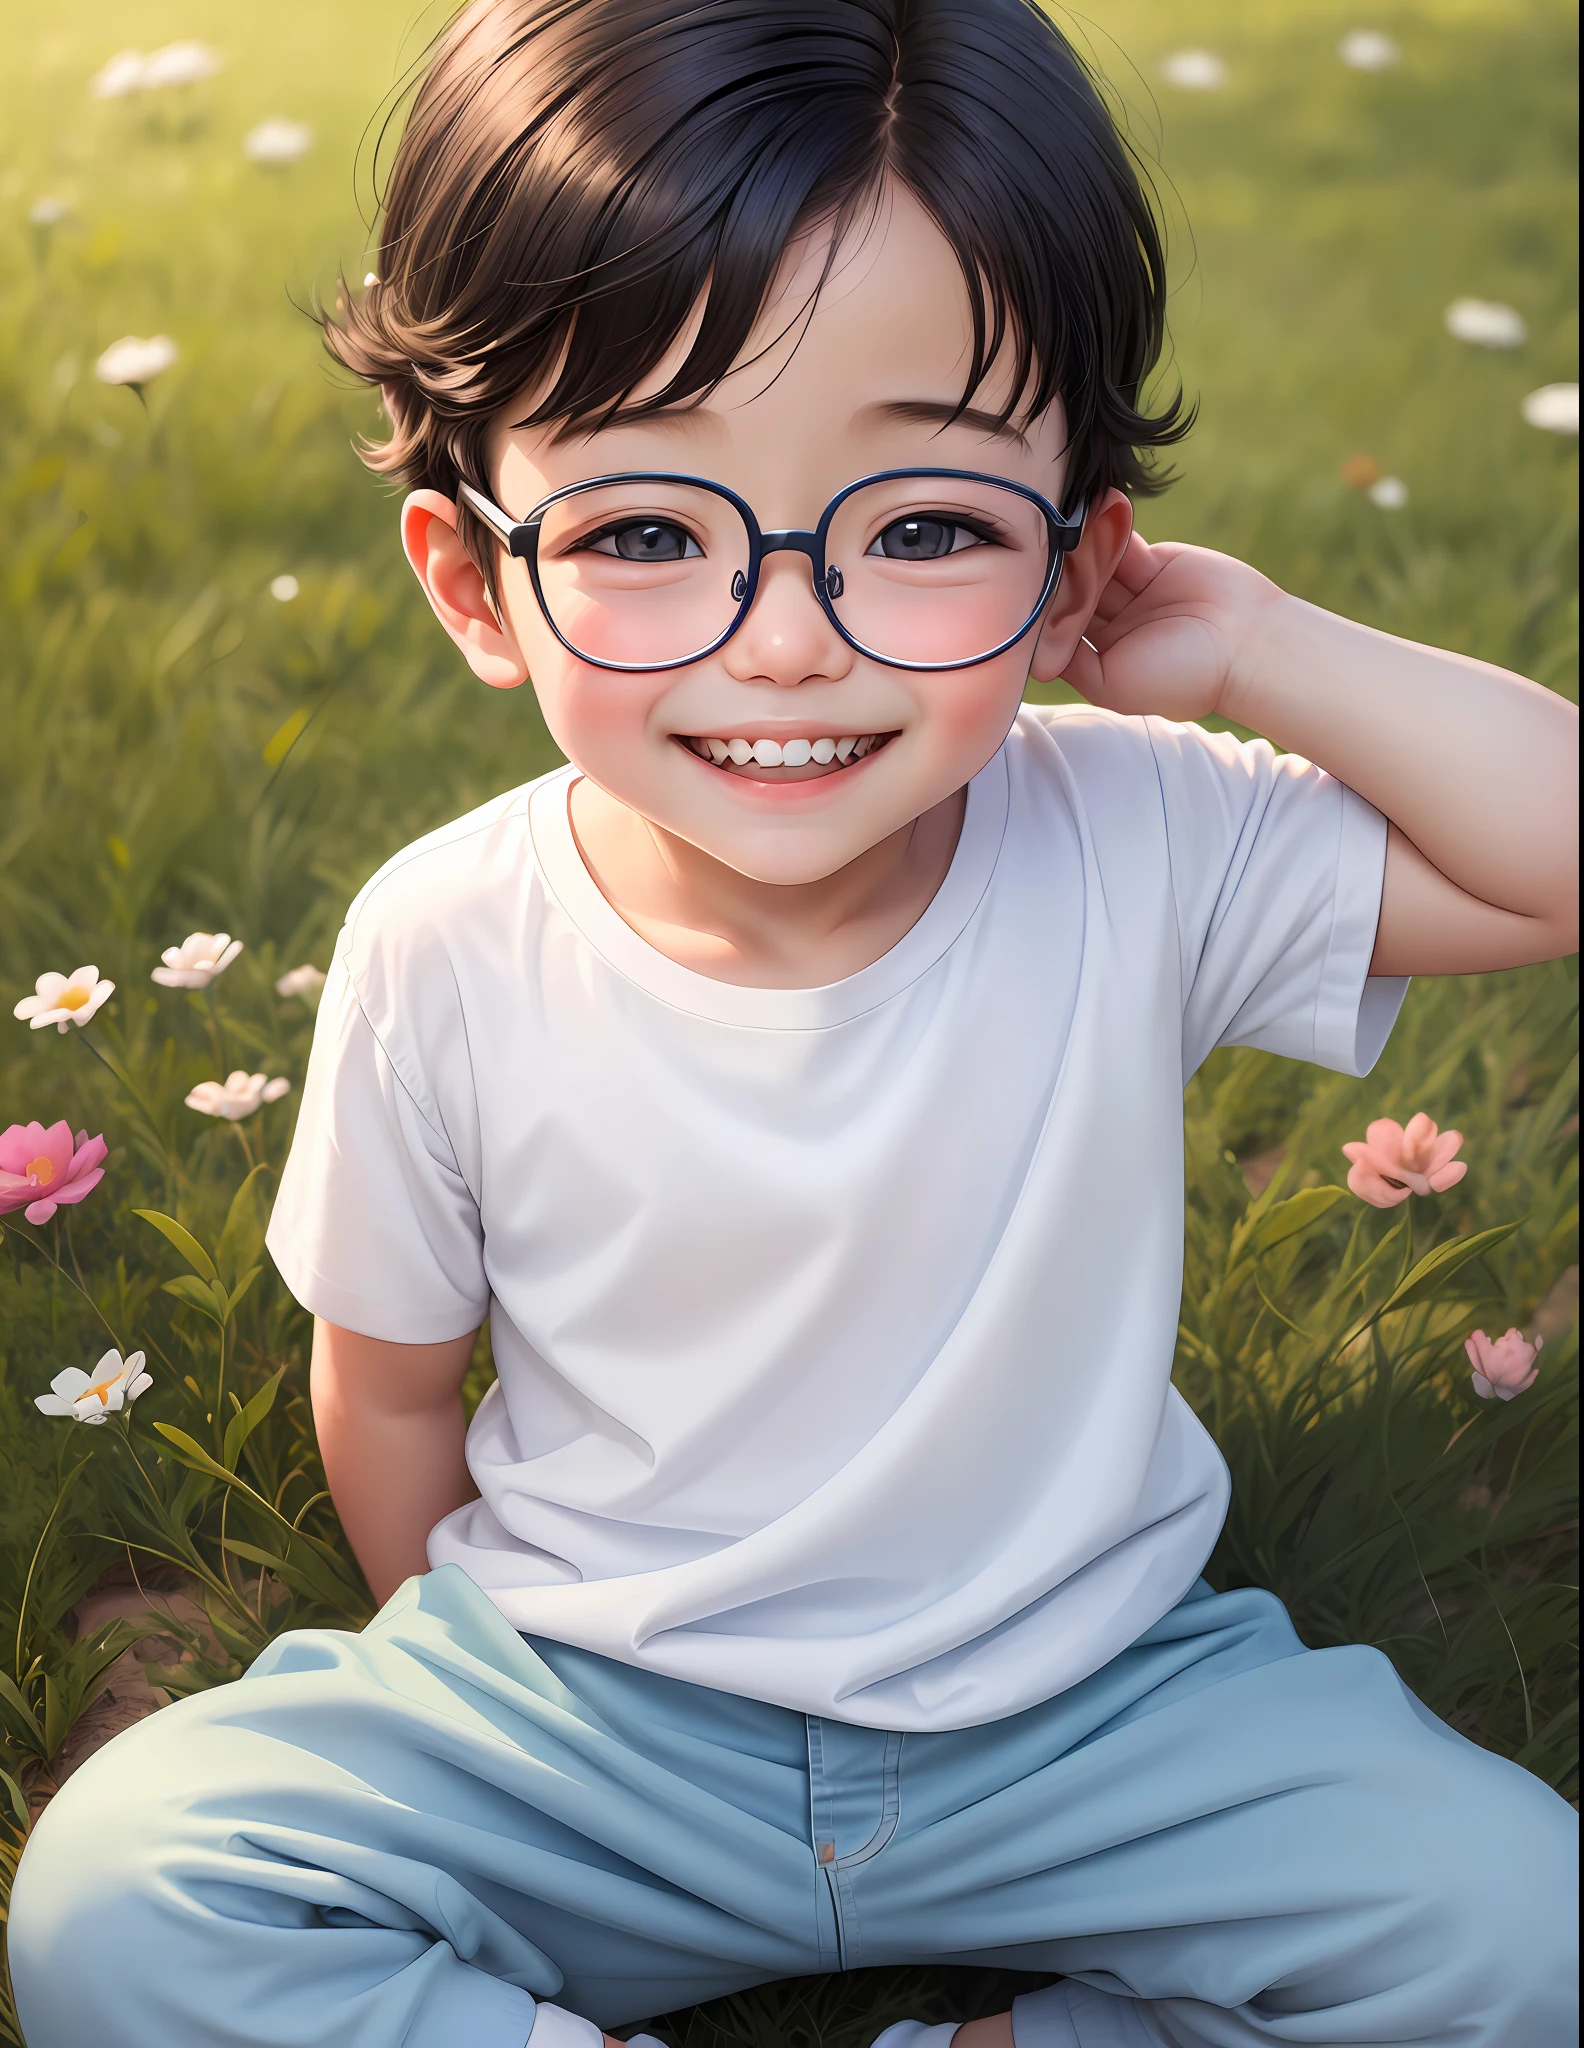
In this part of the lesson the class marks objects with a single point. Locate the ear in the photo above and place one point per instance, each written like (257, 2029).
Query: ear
(457, 592)
(1089, 568)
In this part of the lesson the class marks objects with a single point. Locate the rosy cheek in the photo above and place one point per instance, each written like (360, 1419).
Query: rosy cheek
(966, 713)
(601, 720)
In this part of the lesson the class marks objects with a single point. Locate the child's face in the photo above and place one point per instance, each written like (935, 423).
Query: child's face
(806, 412)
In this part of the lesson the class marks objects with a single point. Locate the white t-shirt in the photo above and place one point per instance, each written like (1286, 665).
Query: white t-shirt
(834, 1326)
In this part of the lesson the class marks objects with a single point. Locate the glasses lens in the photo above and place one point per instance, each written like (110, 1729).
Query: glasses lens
(936, 569)
(642, 573)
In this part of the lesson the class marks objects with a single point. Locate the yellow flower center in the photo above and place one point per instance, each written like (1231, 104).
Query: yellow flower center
(41, 1169)
(101, 1388)
(74, 998)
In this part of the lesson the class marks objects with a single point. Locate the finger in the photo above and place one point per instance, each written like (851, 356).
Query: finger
(1139, 566)
(1112, 602)
(1114, 619)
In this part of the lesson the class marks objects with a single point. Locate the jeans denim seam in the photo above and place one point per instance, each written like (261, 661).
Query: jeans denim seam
(821, 1833)
(890, 1805)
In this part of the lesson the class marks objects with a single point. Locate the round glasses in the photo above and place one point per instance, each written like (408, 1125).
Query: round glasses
(916, 568)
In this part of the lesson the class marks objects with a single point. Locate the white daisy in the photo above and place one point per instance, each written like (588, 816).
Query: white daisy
(1486, 323)
(122, 75)
(1366, 49)
(1554, 408)
(237, 1096)
(1195, 70)
(64, 999)
(277, 142)
(134, 361)
(197, 960)
(92, 1397)
(47, 212)
(284, 588)
(178, 64)
(1389, 492)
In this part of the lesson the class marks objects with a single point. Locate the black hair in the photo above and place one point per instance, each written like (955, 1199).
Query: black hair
(576, 175)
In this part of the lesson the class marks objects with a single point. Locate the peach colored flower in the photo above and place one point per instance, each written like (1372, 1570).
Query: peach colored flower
(93, 1397)
(1392, 1163)
(237, 1096)
(41, 1169)
(197, 960)
(64, 999)
(1503, 1368)
(306, 981)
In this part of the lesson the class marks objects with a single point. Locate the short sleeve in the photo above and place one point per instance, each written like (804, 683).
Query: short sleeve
(1277, 871)
(374, 1227)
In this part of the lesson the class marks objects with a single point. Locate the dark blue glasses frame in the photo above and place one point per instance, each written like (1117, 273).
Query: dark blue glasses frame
(521, 538)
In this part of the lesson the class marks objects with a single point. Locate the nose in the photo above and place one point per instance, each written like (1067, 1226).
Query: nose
(786, 639)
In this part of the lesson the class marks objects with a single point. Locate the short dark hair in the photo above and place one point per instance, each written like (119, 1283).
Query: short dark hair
(575, 175)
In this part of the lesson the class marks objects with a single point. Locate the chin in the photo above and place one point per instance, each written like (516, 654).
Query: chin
(788, 864)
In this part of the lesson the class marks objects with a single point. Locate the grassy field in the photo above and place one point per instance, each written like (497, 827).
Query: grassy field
(186, 751)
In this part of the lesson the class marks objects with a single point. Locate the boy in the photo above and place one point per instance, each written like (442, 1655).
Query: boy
(795, 1081)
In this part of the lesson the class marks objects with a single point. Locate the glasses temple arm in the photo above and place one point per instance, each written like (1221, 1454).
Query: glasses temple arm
(504, 525)
(1069, 531)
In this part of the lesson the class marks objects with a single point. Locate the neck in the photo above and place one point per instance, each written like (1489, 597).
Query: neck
(708, 917)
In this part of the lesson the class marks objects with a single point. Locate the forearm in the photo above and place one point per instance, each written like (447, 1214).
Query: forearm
(1478, 768)
(394, 1467)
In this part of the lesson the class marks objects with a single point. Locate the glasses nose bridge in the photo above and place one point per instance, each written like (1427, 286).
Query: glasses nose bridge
(792, 540)
(799, 541)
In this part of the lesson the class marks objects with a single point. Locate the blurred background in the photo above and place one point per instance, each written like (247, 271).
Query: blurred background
(1322, 216)
(224, 703)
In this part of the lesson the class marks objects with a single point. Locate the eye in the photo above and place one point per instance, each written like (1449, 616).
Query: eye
(926, 537)
(642, 540)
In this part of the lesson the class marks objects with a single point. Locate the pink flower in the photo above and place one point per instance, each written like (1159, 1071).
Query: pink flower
(1504, 1368)
(40, 1169)
(1392, 1163)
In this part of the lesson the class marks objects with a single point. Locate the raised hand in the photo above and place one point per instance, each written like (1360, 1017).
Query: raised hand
(1170, 631)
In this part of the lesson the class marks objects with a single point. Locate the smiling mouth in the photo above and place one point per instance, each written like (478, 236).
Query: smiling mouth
(764, 759)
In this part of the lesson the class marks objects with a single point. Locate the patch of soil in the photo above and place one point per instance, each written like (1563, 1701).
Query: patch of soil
(128, 1696)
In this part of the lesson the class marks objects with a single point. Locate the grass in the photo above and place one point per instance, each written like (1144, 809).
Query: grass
(186, 752)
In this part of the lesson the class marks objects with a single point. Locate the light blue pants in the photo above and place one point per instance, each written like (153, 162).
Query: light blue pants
(403, 1838)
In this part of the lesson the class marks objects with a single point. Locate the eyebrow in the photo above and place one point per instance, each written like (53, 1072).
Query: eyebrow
(929, 412)
(936, 412)
(686, 417)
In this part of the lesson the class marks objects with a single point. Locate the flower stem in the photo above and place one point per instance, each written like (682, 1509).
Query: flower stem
(219, 1406)
(216, 1036)
(124, 1080)
(61, 1492)
(25, 1237)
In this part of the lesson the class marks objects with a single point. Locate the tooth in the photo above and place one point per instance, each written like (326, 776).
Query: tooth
(717, 750)
(739, 751)
(844, 748)
(862, 747)
(796, 754)
(823, 751)
(767, 753)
